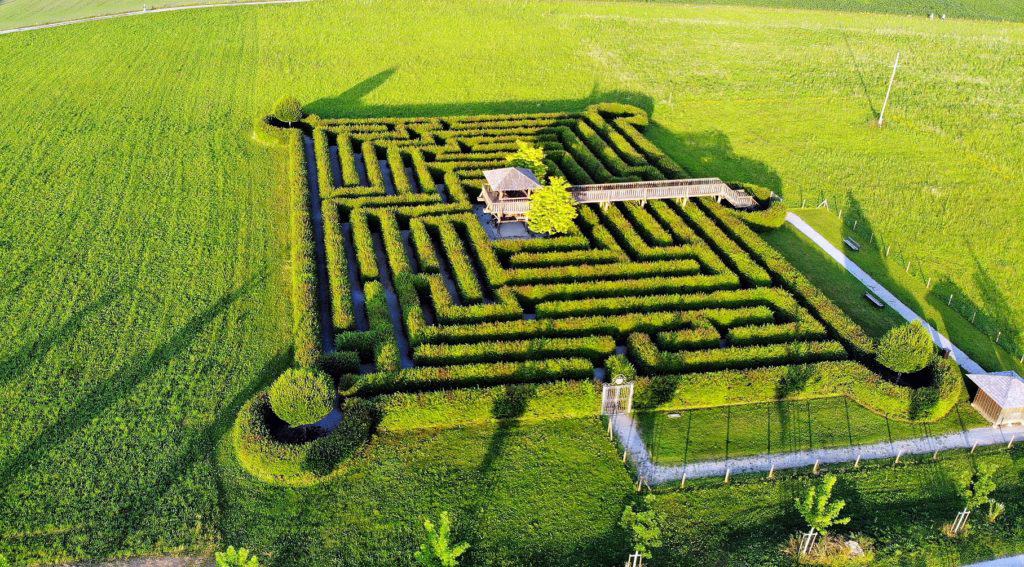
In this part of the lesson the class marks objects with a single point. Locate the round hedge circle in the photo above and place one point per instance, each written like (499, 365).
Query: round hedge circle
(301, 396)
(299, 463)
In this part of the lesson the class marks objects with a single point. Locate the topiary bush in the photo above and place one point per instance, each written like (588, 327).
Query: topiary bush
(303, 460)
(300, 396)
(288, 109)
(907, 348)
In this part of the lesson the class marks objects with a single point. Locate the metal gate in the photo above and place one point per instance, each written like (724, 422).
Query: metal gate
(617, 397)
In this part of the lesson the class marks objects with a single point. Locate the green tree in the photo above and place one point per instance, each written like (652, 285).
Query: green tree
(531, 157)
(438, 550)
(288, 110)
(644, 526)
(552, 208)
(3, 561)
(978, 490)
(240, 557)
(907, 348)
(818, 509)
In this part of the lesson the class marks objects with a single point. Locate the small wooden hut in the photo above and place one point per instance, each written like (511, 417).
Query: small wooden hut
(1000, 397)
(506, 192)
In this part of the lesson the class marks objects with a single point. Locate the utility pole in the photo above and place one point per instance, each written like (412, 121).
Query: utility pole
(888, 91)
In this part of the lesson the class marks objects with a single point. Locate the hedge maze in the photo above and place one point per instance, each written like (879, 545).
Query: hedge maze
(423, 302)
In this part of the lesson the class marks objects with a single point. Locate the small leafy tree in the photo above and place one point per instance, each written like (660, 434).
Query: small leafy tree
(818, 509)
(3, 561)
(438, 550)
(531, 157)
(644, 526)
(288, 109)
(552, 208)
(240, 557)
(976, 491)
(907, 348)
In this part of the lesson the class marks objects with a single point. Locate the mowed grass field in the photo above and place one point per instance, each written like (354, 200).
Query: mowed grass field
(143, 250)
(19, 13)
(900, 509)
(782, 427)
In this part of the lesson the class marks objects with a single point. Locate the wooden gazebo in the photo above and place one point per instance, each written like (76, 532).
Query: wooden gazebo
(1000, 397)
(506, 192)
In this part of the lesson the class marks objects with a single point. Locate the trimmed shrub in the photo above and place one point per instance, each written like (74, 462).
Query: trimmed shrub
(300, 396)
(907, 348)
(593, 348)
(297, 462)
(450, 408)
(288, 109)
(618, 365)
(431, 378)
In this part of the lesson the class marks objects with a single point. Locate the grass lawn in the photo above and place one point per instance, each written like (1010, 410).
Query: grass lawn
(902, 509)
(908, 288)
(827, 275)
(985, 9)
(750, 429)
(143, 249)
(547, 493)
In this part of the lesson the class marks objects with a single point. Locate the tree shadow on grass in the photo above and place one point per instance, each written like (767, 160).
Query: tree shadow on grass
(710, 153)
(106, 394)
(19, 362)
(200, 445)
(351, 103)
(993, 317)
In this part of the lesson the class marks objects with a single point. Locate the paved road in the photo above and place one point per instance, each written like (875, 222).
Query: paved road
(888, 298)
(628, 433)
(150, 11)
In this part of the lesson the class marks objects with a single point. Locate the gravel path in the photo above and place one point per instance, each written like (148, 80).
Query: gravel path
(1015, 561)
(152, 562)
(628, 433)
(888, 298)
(142, 12)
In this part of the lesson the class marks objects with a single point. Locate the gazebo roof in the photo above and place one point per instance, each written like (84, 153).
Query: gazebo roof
(1005, 388)
(511, 179)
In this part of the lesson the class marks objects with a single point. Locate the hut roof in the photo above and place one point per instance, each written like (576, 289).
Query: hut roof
(1005, 388)
(511, 179)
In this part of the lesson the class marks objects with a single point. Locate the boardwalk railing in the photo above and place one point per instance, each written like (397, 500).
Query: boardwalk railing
(642, 191)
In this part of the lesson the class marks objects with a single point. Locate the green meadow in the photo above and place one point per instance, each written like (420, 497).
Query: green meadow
(782, 427)
(144, 236)
(899, 509)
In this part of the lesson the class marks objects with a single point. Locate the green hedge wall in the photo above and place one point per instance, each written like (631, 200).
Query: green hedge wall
(297, 464)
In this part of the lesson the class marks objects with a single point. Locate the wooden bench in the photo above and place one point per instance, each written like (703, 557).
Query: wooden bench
(852, 244)
(874, 300)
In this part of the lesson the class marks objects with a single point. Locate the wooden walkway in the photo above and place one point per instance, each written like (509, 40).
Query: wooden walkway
(642, 191)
